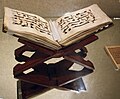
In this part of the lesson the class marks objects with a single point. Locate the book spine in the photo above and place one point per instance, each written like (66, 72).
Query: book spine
(54, 30)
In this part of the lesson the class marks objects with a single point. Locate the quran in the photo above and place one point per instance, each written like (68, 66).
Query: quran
(114, 53)
(64, 31)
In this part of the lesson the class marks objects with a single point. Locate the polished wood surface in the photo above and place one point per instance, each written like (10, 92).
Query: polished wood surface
(53, 75)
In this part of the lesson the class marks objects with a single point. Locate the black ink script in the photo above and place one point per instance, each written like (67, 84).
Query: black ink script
(31, 21)
(69, 22)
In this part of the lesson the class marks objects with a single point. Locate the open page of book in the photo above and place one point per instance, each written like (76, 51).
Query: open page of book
(114, 53)
(79, 24)
(27, 25)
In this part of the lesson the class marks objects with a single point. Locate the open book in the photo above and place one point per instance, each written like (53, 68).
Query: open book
(66, 30)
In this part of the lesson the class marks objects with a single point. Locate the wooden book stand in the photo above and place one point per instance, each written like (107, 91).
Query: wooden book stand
(53, 75)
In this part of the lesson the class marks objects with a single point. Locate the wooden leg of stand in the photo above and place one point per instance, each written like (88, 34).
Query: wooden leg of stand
(78, 59)
(54, 74)
(19, 51)
(26, 90)
(77, 85)
(37, 77)
(43, 74)
(32, 62)
(70, 76)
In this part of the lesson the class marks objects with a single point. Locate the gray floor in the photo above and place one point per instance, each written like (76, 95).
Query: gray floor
(103, 83)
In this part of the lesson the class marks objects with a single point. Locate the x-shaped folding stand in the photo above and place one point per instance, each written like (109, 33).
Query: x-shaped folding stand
(53, 75)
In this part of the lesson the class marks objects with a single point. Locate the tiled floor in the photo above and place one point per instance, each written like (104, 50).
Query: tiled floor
(103, 83)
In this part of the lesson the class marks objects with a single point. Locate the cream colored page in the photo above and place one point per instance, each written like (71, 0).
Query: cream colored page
(23, 22)
(80, 21)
